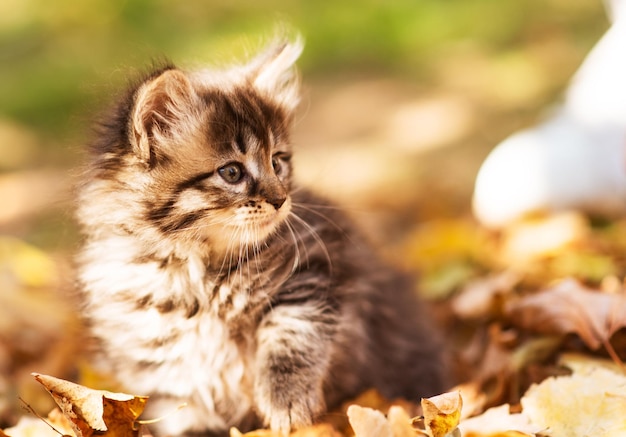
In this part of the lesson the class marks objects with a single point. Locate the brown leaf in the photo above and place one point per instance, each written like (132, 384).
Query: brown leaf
(570, 308)
(477, 299)
(95, 412)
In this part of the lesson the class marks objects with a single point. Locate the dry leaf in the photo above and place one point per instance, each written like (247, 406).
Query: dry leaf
(400, 422)
(570, 308)
(55, 425)
(476, 300)
(442, 413)
(234, 432)
(474, 399)
(498, 421)
(590, 402)
(580, 363)
(95, 411)
(29, 426)
(367, 422)
(541, 237)
(319, 430)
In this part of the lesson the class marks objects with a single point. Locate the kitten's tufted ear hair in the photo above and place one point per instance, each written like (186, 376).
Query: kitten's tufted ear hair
(274, 73)
(163, 105)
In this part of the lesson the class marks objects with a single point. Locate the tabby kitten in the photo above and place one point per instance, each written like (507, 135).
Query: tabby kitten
(208, 279)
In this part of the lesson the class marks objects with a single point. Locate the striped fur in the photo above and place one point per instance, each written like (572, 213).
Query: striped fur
(208, 279)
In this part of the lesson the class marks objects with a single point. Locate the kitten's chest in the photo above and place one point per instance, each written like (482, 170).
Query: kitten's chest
(178, 334)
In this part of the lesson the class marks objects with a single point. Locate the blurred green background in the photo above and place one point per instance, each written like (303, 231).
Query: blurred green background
(403, 97)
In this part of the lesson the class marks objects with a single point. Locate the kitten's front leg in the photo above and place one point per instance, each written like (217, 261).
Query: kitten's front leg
(292, 363)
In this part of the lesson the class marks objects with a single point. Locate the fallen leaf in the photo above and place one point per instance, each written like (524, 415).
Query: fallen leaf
(544, 236)
(446, 253)
(590, 402)
(498, 421)
(367, 422)
(234, 432)
(29, 426)
(442, 413)
(474, 398)
(580, 363)
(441, 282)
(400, 422)
(319, 430)
(95, 412)
(571, 308)
(476, 300)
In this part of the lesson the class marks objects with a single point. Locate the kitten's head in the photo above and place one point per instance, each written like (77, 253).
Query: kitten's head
(207, 154)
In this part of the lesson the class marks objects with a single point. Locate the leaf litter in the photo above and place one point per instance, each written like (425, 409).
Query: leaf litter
(536, 330)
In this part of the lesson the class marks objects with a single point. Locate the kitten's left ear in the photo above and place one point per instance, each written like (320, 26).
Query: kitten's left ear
(163, 108)
(274, 73)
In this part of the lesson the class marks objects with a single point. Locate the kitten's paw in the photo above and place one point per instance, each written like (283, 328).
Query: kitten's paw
(284, 410)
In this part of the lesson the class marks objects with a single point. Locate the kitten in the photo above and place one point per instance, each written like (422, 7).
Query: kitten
(208, 279)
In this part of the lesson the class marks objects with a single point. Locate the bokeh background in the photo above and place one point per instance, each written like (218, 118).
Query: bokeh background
(402, 100)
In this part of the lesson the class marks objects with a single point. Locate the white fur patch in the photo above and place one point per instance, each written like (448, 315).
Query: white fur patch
(202, 367)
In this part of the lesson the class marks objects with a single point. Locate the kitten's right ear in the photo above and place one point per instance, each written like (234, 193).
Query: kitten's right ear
(273, 71)
(163, 106)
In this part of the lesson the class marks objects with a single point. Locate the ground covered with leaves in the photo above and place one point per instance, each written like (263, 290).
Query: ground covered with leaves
(533, 315)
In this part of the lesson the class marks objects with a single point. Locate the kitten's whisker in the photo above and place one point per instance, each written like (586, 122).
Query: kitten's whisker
(313, 210)
(296, 261)
(315, 236)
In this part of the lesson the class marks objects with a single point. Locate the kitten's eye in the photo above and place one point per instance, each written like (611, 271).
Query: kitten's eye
(277, 162)
(276, 165)
(231, 173)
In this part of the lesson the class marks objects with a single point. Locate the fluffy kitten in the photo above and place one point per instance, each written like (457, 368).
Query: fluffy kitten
(208, 279)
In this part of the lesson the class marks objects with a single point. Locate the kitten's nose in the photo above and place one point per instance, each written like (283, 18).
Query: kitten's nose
(273, 193)
(277, 201)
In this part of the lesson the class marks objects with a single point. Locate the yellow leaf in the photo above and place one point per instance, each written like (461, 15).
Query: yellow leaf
(234, 432)
(367, 422)
(498, 422)
(55, 425)
(540, 237)
(440, 242)
(590, 402)
(31, 266)
(95, 412)
(400, 422)
(319, 430)
(442, 413)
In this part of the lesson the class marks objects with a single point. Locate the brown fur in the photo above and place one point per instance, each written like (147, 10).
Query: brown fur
(208, 279)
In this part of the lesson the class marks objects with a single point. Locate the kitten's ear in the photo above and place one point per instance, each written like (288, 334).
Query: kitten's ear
(163, 106)
(273, 72)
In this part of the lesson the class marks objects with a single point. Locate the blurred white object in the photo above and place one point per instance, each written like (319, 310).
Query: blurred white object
(577, 158)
